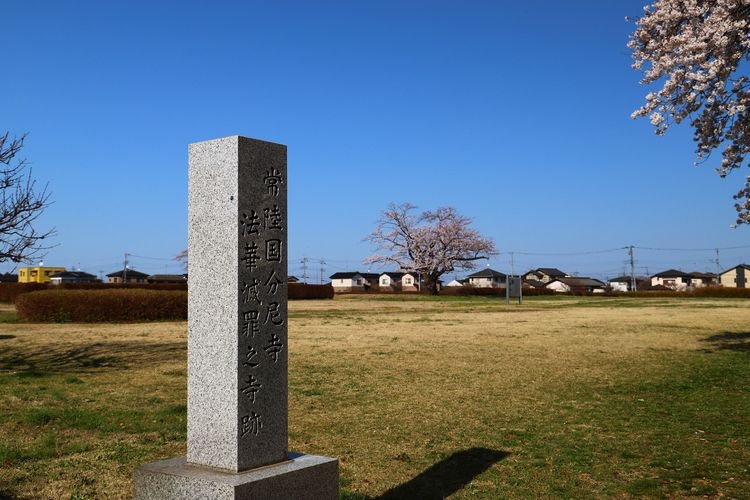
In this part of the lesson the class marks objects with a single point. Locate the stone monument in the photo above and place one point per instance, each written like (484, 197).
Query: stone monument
(237, 336)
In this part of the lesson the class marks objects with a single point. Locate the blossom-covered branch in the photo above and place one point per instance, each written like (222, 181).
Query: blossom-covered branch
(697, 50)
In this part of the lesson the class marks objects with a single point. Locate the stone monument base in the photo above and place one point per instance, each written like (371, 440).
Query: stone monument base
(301, 477)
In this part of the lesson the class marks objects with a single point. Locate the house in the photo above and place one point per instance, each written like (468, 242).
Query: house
(536, 284)
(127, 276)
(39, 274)
(544, 274)
(351, 281)
(576, 285)
(487, 278)
(623, 283)
(404, 281)
(672, 278)
(699, 280)
(371, 279)
(166, 278)
(620, 284)
(73, 277)
(454, 283)
(8, 278)
(736, 277)
(292, 279)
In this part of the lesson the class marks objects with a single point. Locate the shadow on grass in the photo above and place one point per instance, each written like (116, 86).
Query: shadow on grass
(730, 341)
(447, 476)
(64, 359)
(7, 337)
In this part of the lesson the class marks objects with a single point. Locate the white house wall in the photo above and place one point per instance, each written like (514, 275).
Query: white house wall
(558, 286)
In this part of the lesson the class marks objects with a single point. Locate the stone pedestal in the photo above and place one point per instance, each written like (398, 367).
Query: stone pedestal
(302, 477)
(237, 336)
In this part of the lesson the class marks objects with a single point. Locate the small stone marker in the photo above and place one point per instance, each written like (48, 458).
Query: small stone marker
(237, 336)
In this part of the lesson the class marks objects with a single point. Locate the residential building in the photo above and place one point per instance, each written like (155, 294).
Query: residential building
(620, 284)
(487, 278)
(672, 278)
(544, 274)
(576, 285)
(454, 283)
(406, 282)
(73, 277)
(736, 277)
(533, 283)
(39, 274)
(699, 280)
(127, 276)
(347, 281)
(623, 283)
(8, 278)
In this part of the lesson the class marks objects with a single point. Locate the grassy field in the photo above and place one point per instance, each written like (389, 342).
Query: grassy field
(417, 397)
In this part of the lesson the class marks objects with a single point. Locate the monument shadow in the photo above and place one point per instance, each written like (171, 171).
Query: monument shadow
(447, 476)
(88, 357)
(729, 341)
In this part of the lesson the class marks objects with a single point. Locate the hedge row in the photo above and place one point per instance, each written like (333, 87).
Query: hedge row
(9, 292)
(494, 292)
(303, 291)
(92, 306)
(710, 291)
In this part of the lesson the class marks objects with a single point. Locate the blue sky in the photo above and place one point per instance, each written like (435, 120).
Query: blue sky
(518, 117)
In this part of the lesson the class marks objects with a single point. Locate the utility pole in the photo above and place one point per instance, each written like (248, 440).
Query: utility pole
(632, 268)
(125, 269)
(304, 269)
(322, 269)
(718, 268)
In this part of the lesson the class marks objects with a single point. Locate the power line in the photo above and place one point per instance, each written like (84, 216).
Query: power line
(692, 249)
(150, 258)
(568, 254)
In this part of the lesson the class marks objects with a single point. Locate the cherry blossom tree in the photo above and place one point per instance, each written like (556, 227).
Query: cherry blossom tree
(698, 51)
(20, 205)
(431, 243)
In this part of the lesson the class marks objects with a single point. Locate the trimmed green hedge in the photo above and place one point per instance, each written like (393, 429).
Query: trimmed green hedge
(93, 306)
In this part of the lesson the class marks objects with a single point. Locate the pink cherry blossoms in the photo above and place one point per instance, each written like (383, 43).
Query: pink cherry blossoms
(697, 50)
(432, 243)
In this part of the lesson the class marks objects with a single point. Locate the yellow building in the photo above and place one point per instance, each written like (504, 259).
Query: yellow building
(37, 274)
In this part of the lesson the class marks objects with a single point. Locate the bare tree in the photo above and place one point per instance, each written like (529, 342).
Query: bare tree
(698, 51)
(431, 243)
(182, 258)
(20, 205)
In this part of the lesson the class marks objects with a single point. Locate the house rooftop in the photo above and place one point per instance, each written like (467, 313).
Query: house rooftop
(552, 272)
(73, 274)
(744, 266)
(344, 275)
(578, 281)
(672, 273)
(132, 273)
(487, 273)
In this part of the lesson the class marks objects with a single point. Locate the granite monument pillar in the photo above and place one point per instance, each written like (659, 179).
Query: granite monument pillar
(237, 336)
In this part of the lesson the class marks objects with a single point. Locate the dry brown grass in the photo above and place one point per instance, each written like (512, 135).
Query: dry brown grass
(391, 387)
